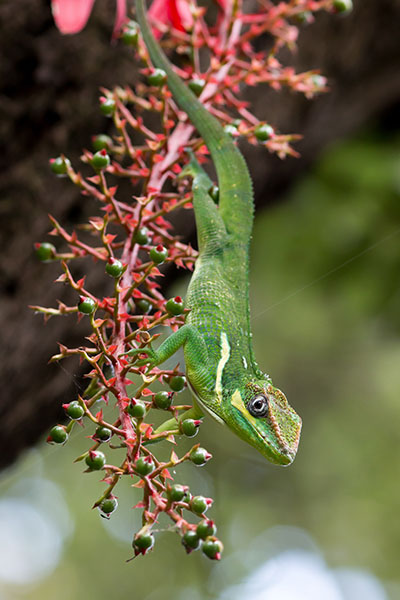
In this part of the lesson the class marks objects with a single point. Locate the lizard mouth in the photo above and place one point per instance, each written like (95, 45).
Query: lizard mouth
(284, 451)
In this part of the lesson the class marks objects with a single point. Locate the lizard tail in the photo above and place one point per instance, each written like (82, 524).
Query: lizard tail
(236, 204)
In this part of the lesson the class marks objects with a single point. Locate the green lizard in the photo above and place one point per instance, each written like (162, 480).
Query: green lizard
(220, 365)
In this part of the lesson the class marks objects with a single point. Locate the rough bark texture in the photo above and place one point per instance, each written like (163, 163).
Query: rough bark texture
(48, 104)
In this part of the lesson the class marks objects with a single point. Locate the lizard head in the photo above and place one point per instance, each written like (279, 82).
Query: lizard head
(259, 413)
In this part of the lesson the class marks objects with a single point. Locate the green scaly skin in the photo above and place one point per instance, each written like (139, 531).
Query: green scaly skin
(221, 369)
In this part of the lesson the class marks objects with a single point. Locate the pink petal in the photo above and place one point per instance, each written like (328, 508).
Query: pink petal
(172, 12)
(120, 17)
(71, 16)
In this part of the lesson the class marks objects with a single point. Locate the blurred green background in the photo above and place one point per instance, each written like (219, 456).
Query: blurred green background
(325, 300)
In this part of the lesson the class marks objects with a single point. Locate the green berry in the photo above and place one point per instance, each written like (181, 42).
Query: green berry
(143, 305)
(263, 132)
(144, 465)
(103, 434)
(136, 409)
(199, 456)
(74, 410)
(199, 504)
(114, 268)
(175, 306)
(86, 305)
(190, 427)
(130, 35)
(205, 528)
(101, 142)
(197, 86)
(163, 400)
(59, 165)
(176, 492)
(214, 193)
(143, 542)
(157, 77)
(107, 106)
(212, 548)
(45, 252)
(100, 160)
(108, 505)
(58, 435)
(141, 236)
(318, 80)
(158, 254)
(95, 460)
(190, 540)
(304, 17)
(231, 130)
(343, 6)
(177, 383)
(108, 370)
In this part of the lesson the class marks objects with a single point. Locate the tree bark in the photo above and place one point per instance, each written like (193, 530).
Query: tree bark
(49, 104)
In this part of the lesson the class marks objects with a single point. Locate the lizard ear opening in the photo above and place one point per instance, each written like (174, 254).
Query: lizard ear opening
(258, 406)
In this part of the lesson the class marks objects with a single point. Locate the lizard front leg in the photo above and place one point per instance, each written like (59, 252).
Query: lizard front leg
(196, 356)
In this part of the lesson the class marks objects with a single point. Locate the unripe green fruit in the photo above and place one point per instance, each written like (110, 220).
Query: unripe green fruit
(199, 505)
(101, 142)
(304, 17)
(177, 383)
(158, 254)
(212, 548)
(141, 236)
(197, 86)
(103, 434)
(144, 466)
(75, 410)
(343, 6)
(107, 106)
(130, 35)
(114, 268)
(136, 409)
(175, 306)
(108, 505)
(318, 80)
(199, 456)
(157, 77)
(100, 160)
(86, 305)
(176, 492)
(191, 540)
(108, 370)
(231, 130)
(143, 305)
(143, 542)
(189, 427)
(163, 400)
(214, 193)
(58, 435)
(263, 132)
(95, 460)
(59, 165)
(45, 252)
(206, 528)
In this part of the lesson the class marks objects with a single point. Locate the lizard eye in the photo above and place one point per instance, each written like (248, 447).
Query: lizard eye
(258, 406)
